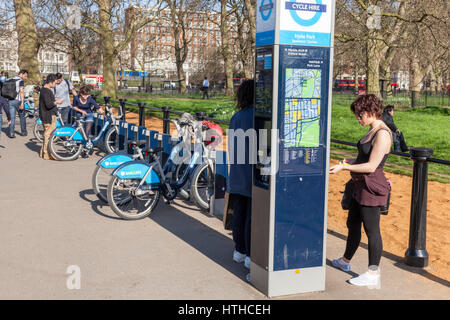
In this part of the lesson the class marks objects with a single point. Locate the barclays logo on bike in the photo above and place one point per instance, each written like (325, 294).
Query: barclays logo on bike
(130, 173)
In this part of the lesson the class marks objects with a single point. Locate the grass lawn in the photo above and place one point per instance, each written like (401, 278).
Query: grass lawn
(424, 127)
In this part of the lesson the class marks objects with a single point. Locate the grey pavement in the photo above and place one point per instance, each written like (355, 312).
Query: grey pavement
(50, 220)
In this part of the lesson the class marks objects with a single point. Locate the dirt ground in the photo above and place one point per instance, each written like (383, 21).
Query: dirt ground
(394, 226)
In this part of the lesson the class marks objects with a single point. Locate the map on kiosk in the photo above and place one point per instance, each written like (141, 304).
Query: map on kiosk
(302, 108)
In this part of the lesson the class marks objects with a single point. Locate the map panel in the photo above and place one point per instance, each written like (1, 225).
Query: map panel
(302, 108)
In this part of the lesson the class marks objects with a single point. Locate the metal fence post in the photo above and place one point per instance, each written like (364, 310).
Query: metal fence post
(123, 108)
(417, 255)
(166, 119)
(141, 106)
(200, 115)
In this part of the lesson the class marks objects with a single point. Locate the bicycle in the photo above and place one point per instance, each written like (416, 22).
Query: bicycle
(67, 143)
(136, 186)
(38, 129)
(109, 162)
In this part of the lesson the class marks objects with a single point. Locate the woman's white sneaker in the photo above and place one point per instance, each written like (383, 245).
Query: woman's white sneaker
(247, 262)
(238, 257)
(370, 280)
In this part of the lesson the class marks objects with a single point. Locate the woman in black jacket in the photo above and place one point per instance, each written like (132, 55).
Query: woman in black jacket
(48, 112)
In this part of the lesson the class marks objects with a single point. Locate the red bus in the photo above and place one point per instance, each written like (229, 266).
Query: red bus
(349, 84)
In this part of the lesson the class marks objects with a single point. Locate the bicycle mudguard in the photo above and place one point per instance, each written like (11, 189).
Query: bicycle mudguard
(67, 131)
(58, 124)
(137, 170)
(113, 160)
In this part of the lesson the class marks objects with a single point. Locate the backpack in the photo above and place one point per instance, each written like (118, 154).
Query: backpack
(9, 89)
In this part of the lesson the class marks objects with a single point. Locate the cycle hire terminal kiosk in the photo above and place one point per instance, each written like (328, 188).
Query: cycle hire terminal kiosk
(294, 50)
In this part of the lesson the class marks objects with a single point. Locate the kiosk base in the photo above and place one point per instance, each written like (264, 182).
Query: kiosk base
(286, 282)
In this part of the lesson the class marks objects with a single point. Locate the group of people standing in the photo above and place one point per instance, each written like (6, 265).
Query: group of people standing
(54, 99)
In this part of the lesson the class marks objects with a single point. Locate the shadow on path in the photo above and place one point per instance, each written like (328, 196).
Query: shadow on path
(96, 204)
(33, 146)
(212, 244)
(206, 240)
(399, 262)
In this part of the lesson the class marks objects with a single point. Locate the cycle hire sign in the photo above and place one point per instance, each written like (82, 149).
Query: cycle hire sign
(265, 22)
(306, 22)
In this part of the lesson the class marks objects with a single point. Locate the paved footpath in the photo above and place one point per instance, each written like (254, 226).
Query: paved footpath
(50, 219)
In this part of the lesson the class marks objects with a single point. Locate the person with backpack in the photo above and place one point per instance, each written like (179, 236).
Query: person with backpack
(13, 90)
(62, 92)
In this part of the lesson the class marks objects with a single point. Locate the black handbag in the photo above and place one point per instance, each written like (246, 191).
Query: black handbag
(347, 198)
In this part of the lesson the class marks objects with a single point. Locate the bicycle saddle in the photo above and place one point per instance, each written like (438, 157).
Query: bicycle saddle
(137, 143)
(153, 150)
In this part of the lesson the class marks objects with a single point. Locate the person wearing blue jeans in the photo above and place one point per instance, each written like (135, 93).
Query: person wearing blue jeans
(18, 106)
(4, 106)
(62, 91)
(240, 179)
(83, 104)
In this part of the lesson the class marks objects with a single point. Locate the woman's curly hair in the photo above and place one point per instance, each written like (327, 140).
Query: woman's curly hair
(368, 103)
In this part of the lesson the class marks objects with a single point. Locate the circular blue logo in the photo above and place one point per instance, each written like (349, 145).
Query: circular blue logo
(266, 8)
(306, 22)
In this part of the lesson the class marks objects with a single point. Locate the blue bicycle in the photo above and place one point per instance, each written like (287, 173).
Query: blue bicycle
(106, 165)
(67, 143)
(136, 186)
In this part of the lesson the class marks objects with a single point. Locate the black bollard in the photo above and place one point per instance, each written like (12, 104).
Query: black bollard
(417, 255)
(123, 108)
(166, 119)
(141, 106)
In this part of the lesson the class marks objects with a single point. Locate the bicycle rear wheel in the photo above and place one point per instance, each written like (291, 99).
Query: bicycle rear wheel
(38, 131)
(100, 181)
(111, 140)
(199, 186)
(64, 148)
(129, 203)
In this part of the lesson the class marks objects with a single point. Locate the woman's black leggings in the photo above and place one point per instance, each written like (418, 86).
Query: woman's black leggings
(242, 223)
(370, 218)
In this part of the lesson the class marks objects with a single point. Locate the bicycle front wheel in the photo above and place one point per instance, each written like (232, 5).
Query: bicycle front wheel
(199, 185)
(129, 203)
(64, 148)
(38, 131)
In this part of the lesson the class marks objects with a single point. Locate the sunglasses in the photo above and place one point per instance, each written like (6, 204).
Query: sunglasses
(359, 116)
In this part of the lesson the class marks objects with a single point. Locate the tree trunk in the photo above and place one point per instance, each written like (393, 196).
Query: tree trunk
(226, 51)
(374, 50)
(109, 87)
(250, 6)
(28, 40)
(416, 78)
